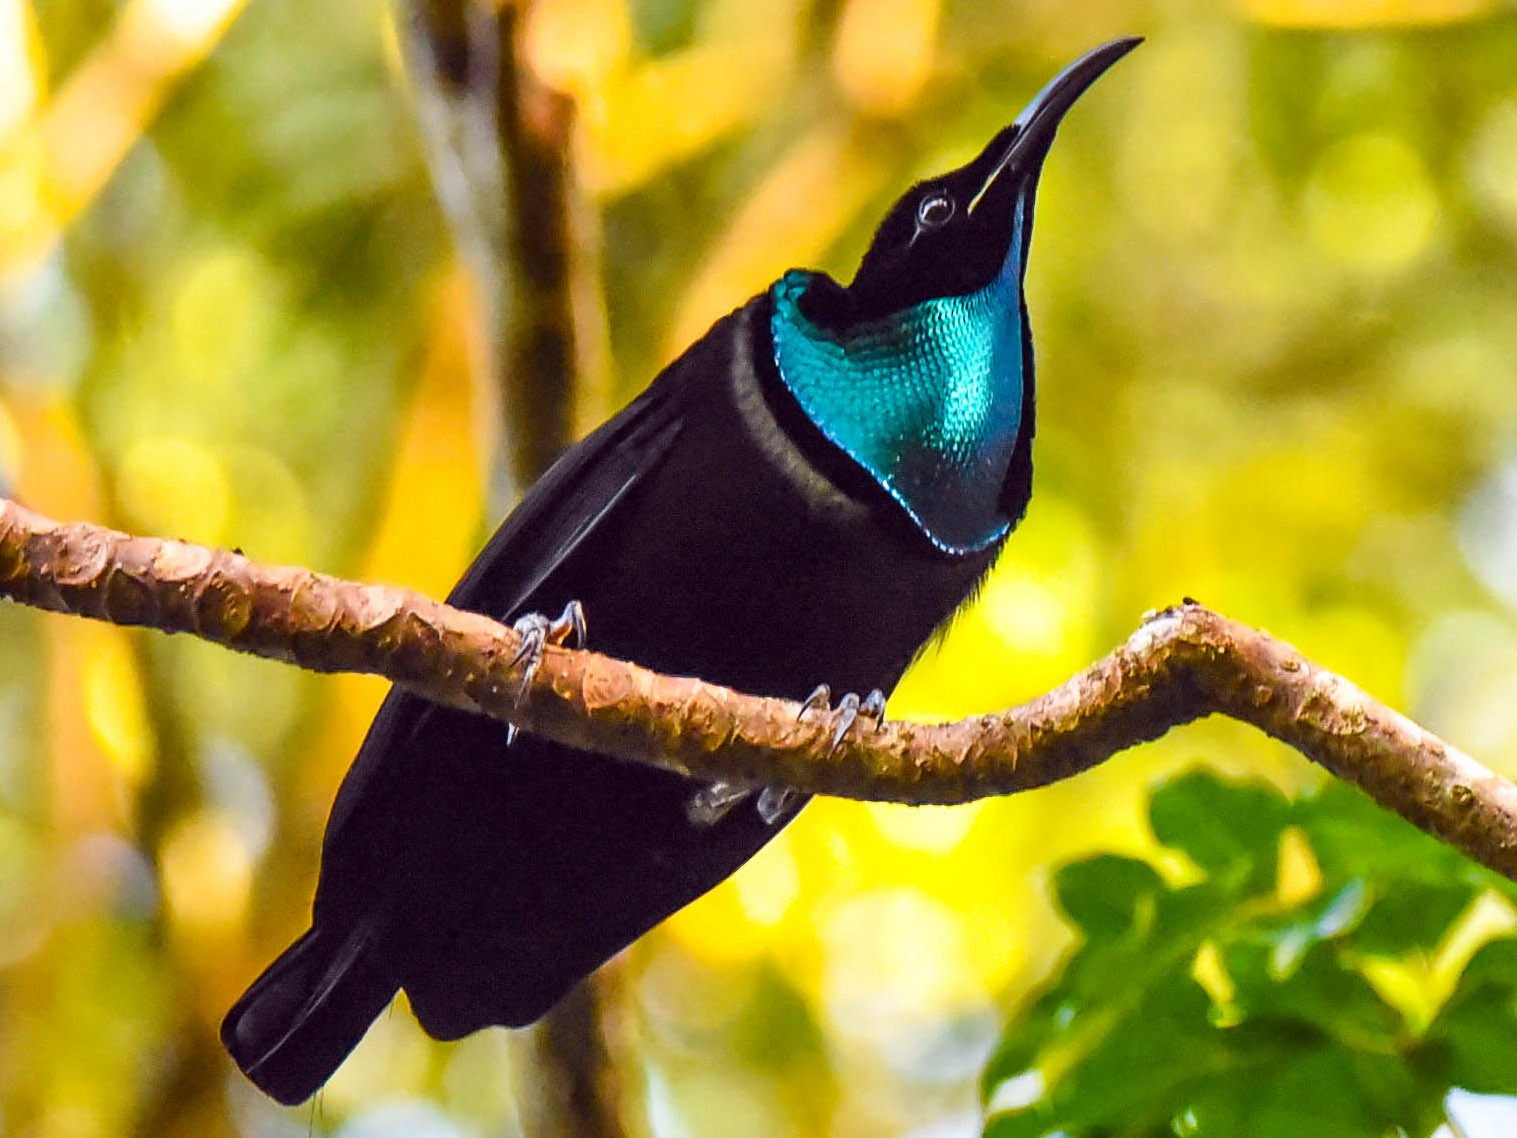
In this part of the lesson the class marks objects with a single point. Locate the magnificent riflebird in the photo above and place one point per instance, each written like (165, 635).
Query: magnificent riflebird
(803, 497)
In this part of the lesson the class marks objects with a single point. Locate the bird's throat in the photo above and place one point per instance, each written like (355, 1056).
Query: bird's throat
(927, 400)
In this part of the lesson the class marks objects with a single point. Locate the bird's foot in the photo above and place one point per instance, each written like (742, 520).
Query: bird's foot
(713, 802)
(849, 710)
(537, 632)
(774, 801)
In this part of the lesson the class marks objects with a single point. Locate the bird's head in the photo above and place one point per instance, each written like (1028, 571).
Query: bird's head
(920, 367)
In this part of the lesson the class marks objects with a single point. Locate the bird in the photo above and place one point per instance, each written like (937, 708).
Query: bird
(808, 493)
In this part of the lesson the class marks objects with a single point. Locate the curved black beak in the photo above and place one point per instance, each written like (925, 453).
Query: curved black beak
(1032, 133)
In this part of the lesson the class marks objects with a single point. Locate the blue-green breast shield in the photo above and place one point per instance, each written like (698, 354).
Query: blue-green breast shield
(927, 400)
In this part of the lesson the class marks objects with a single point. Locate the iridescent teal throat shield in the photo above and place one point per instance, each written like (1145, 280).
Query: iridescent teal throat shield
(927, 400)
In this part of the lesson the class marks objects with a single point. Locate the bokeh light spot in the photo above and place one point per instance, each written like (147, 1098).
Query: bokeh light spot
(576, 45)
(224, 307)
(390, 1066)
(1461, 676)
(271, 512)
(175, 487)
(103, 871)
(926, 829)
(1370, 204)
(1488, 532)
(252, 701)
(207, 872)
(19, 80)
(1178, 182)
(10, 450)
(1491, 164)
(414, 1118)
(1298, 876)
(189, 22)
(1022, 1090)
(114, 707)
(897, 962)
(721, 928)
(21, 858)
(768, 885)
(884, 53)
(1025, 612)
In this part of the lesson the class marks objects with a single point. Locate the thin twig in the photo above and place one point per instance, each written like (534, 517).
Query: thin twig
(1180, 665)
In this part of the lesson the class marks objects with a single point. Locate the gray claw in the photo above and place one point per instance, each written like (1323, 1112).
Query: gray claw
(713, 802)
(820, 697)
(533, 628)
(848, 710)
(570, 626)
(774, 801)
(537, 632)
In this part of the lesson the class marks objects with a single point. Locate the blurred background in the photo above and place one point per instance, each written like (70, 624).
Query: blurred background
(1274, 294)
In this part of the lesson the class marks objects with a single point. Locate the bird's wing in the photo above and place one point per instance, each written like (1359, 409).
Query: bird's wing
(568, 502)
(560, 510)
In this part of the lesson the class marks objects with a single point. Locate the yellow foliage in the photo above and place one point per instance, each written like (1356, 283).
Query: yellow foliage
(429, 522)
(114, 707)
(53, 167)
(207, 875)
(1299, 878)
(794, 214)
(1371, 205)
(1365, 13)
(1272, 302)
(175, 486)
(884, 53)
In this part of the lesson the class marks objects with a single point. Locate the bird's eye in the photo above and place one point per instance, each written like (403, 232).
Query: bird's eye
(935, 211)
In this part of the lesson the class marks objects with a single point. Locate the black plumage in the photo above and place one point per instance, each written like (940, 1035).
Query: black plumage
(711, 529)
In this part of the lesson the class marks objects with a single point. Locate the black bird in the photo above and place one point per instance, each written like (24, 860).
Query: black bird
(807, 494)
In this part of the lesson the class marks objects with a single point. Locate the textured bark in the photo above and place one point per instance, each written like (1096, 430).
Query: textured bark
(1181, 664)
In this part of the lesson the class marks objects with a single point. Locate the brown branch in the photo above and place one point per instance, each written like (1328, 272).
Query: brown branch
(543, 253)
(517, 214)
(574, 1084)
(1181, 664)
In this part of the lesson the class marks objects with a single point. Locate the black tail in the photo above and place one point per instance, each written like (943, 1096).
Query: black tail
(310, 1008)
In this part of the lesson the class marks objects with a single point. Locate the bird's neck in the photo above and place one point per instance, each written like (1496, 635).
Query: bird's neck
(928, 400)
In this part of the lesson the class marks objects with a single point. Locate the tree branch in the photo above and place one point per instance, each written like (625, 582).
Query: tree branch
(1182, 664)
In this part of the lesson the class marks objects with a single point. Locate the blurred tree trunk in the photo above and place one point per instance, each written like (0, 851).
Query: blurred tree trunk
(500, 145)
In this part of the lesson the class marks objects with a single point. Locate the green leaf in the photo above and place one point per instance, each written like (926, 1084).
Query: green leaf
(1326, 917)
(1473, 1040)
(1327, 1093)
(1288, 1038)
(1229, 829)
(1107, 896)
(1353, 837)
(1412, 916)
(1319, 993)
